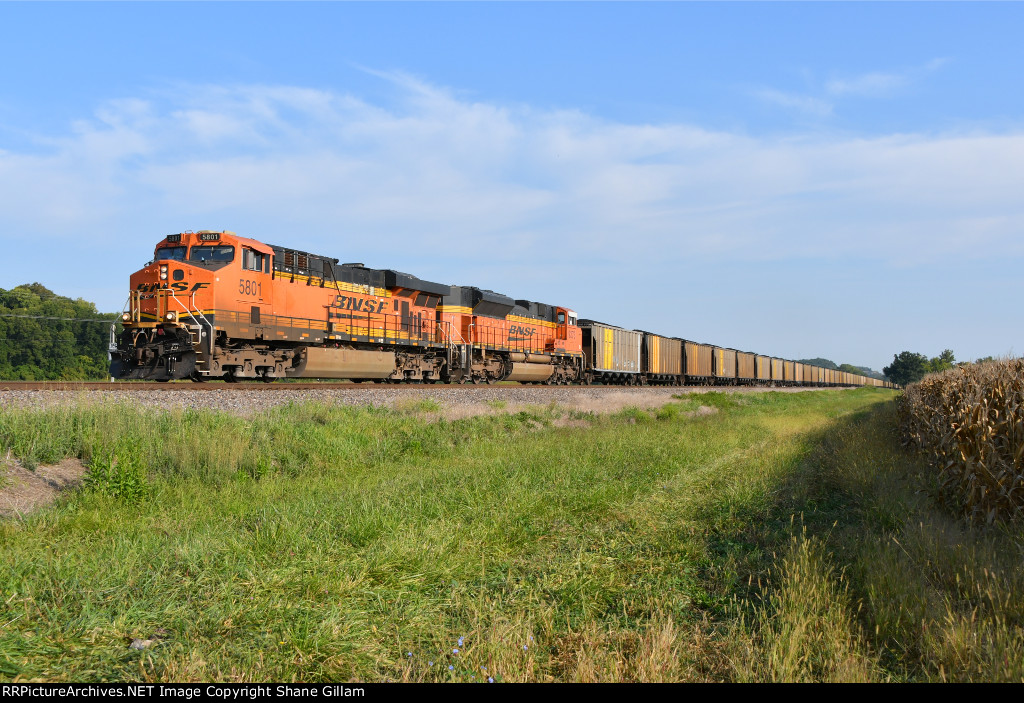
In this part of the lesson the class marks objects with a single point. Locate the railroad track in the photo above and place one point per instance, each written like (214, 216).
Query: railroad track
(136, 386)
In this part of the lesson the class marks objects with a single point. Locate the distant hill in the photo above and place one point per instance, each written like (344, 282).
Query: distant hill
(850, 368)
(823, 363)
(34, 349)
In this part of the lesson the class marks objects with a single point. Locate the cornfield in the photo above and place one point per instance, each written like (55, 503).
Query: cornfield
(969, 422)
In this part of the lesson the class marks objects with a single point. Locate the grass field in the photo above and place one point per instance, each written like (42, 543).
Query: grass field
(782, 537)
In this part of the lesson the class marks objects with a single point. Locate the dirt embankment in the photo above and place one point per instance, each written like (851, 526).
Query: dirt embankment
(22, 491)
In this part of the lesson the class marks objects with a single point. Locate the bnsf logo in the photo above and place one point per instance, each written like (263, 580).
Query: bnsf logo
(359, 304)
(180, 287)
(520, 334)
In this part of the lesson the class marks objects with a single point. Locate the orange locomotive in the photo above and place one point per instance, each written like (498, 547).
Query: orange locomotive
(216, 305)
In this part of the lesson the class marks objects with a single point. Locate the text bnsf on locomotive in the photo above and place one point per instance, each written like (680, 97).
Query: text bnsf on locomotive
(213, 305)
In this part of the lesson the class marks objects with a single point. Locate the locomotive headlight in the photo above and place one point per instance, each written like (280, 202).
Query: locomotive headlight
(163, 272)
(170, 316)
(126, 316)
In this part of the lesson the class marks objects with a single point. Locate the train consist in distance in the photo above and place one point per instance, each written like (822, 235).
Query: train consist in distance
(213, 305)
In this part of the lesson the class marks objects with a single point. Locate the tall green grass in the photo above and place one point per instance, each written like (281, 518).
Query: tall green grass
(881, 582)
(322, 543)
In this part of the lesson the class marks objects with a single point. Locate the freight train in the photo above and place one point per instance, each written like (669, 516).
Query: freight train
(213, 305)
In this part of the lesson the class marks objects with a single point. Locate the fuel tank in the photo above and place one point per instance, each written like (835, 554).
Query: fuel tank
(530, 372)
(318, 362)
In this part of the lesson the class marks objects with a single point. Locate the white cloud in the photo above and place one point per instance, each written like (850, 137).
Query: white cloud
(437, 171)
(802, 103)
(881, 85)
(868, 85)
(822, 100)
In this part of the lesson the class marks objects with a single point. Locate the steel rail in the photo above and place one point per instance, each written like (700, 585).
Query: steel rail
(134, 386)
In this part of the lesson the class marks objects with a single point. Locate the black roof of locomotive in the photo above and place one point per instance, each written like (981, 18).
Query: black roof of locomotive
(328, 267)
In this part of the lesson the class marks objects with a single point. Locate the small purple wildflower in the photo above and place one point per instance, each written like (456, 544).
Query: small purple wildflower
(460, 641)
(525, 647)
(430, 663)
(408, 654)
(490, 680)
(455, 651)
(451, 668)
(483, 668)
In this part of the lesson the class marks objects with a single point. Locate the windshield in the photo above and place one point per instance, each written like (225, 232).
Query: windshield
(175, 253)
(212, 253)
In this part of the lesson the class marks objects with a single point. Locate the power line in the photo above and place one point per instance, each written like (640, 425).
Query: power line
(37, 339)
(62, 319)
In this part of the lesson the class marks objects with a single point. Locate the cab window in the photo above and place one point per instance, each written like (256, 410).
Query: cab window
(252, 260)
(173, 253)
(561, 318)
(212, 253)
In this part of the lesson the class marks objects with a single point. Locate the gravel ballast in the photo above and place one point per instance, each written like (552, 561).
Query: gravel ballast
(245, 402)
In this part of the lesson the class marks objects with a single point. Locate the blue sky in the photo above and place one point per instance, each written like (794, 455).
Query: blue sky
(837, 180)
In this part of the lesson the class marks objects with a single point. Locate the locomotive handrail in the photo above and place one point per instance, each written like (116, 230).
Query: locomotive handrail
(193, 311)
(442, 324)
(135, 305)
(209, 338)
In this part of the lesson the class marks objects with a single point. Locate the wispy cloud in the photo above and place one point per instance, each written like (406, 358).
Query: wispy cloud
(802, 103)
(822, 99)
(881, 85)
(871, 85)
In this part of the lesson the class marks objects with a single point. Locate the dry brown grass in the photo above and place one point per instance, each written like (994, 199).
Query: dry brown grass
(969, 422)
(807, 630)
(659, 651)
(23, 491)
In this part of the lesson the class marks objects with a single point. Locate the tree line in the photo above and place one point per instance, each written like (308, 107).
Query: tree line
(33, 348)
(849, 368)
(910, 367)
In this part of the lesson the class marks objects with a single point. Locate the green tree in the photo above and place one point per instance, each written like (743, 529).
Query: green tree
(942, 362)
(35, 348)
(819, 362)
(861, 370)
(907, 367)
